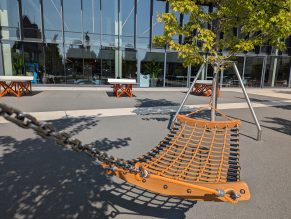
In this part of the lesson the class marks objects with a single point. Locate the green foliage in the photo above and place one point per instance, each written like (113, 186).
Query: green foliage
(18, 63)
(154, 68)
(259, 22)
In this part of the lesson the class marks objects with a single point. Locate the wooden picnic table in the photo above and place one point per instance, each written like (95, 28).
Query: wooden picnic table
(204, 87)
(122, 86)
(16, 85)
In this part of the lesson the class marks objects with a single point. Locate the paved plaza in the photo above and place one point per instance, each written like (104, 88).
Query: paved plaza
(38, 179)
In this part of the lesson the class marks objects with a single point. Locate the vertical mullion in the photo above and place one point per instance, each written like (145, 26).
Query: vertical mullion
(101, 29)
(135, 23)
(20, 24)
(42, 21)
(82, 21)
(63, 43)
(151, 23)
(289, 83)
(165, 65)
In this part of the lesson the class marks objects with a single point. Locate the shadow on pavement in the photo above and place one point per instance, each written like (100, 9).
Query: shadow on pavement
(154, 103)
(144, 203)
(40, 180)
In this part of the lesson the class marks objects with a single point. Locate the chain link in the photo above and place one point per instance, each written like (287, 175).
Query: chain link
(64, 139)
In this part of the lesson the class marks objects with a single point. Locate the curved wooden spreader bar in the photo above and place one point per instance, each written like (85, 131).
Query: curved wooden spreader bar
(197, 191)
(197, 160)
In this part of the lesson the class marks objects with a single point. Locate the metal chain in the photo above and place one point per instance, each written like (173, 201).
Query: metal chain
(64, 139)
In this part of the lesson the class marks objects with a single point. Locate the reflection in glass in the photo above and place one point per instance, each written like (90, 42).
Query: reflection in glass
(34, 60)
(110, 28)
(54, 72)
(72, 20)
(107, 64)
(129, 63)
(176, 73)
(152, 64)
(52, 13)
(9, 21)
(91, 20)
(277, 71)
(253, 71)
(127, 23)
(158, 28)
(229, 76)
(143, 23)
(31, 19)
(74, 62)
(13, 60)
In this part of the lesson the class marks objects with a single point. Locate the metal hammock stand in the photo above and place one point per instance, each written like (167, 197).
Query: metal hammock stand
(197, 160)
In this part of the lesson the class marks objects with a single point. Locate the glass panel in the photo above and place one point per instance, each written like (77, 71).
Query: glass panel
(72, 20)
(109, 22)
(107, 64)
(129, 62)
(95, 63)
(277, 72)
(143, 23)
(158, 28)
(75, 73)
(176, 73)
(31, 19)
(283, 73)
(152, 65)
(34, 60)
(13, 58)
(253, 71)
(9, 19)
(229, 76)
(54, 72)
(52, 21)
(127, 23)
(91, 16)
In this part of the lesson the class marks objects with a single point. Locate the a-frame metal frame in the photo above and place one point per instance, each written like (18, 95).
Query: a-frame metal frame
(259, 133)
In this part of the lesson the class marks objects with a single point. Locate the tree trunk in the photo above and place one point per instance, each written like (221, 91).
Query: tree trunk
(214, 92)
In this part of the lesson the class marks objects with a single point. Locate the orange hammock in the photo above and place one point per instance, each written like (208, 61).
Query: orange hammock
(197, 160)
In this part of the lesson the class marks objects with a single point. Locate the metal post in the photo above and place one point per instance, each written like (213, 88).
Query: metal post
(189, 91)
(259, 135)
(214, 92)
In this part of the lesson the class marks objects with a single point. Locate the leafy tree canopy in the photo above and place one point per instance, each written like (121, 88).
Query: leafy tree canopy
(257, 21)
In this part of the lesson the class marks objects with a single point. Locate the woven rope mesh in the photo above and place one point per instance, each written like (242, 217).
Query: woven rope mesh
(196, 151)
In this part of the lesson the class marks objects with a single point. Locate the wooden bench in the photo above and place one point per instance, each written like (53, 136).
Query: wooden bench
(16, 85)
(122, 86)
(204, 87)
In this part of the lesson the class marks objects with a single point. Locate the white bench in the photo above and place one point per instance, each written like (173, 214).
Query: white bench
(15, 85)
(122, 86)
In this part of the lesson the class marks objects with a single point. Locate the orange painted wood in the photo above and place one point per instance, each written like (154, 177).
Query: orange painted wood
(204, 90)
(17, 88)
(120, 89)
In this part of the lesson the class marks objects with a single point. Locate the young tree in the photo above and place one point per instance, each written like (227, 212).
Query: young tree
(233, 26)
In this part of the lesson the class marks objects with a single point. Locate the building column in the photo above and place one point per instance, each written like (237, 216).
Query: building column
(117, 32)
(1, 60)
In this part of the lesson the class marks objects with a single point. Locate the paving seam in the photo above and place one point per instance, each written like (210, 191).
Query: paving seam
(67, 114)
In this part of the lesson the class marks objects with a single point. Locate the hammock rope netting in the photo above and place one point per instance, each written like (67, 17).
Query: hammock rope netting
(198, 159)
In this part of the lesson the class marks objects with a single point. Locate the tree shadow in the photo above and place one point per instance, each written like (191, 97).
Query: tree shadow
(154, 103)
(141, 202)
(285, 125)
(75, 125)
(41, 180)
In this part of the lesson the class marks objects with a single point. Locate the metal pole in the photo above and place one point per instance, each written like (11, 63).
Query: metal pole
(214, 92)
(259, 135)
(189, 91)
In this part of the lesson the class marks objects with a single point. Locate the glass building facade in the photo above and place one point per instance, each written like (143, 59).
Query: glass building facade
(88, 41)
